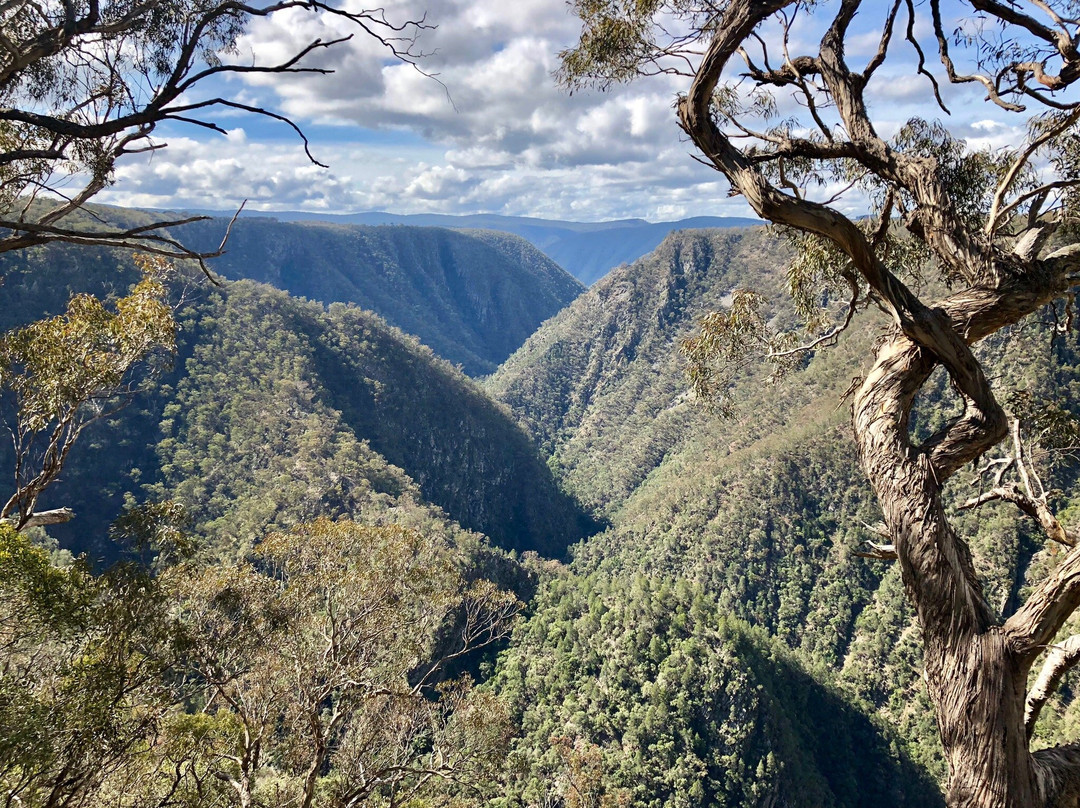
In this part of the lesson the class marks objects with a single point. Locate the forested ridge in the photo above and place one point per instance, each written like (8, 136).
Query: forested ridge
(277, 409)
(762, 512)
(472, 296)
(587, 250)
(717, 642)
(601, 386)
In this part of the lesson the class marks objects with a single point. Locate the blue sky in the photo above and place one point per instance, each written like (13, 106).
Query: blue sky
(493, 135)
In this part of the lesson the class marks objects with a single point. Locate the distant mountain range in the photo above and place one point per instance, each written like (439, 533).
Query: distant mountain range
(587, 250)
(471, 296)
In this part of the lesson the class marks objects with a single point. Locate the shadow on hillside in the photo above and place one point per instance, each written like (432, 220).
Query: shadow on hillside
(463, 450)
(834, 749)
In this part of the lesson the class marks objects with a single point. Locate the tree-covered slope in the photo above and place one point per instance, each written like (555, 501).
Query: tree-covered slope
(278, 410)
(643, 690)
(764, 512)
(471, 296)
(270, 378)
(601, 385)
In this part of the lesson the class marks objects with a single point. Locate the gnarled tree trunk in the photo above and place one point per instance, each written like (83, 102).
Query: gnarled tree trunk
(976, 666)
(976, 682)
(977, 662)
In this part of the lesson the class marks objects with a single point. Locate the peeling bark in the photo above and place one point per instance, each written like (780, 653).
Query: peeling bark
(1062, 658)
(976, 666)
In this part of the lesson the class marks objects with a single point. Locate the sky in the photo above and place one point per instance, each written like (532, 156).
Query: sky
(491, 133)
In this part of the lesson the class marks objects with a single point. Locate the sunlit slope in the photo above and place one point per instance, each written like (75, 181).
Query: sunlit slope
(277, 409)
(601, 386)
(764, 512)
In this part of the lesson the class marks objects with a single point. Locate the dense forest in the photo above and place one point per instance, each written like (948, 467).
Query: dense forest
(360, 509)
(277, 409)
(598, 592)
(767, 509)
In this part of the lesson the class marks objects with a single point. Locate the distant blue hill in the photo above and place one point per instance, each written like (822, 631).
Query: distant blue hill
(587, 250)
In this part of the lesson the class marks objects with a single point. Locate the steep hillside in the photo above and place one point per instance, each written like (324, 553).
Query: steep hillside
(270, 378)
(764, 512)
(278, 410)
(643, 689)
(471, 296)
(601, 385)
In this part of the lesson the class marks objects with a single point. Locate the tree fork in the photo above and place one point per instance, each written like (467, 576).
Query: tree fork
(977, 669)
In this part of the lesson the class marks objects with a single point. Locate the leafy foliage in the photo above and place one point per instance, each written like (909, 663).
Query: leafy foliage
(764, 511)
(60, 373)
(317, 673)
(82, 674)
(318, 662)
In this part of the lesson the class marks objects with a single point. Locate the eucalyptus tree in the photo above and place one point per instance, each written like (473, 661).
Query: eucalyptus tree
(60, 374)
(84, 83)
(325, 669)
(996, 225)
(84, 675)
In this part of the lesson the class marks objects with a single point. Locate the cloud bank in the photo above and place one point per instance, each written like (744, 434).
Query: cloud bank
(486, 130)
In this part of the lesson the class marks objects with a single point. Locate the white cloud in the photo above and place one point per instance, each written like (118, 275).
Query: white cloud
(221, 173)
(492, 132)
(493, 107)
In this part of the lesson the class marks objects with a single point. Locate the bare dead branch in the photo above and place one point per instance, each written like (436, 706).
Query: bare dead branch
(950, 69)
(52, 517)
(1010, 13)
(878, 58)
(1061, 659)
(224, 102)
(114, 102)
(996, 210)
(1035, 508)
(921, 65)
(878, 552)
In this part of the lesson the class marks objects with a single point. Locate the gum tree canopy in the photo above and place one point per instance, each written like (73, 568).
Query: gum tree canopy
(995, 224)
(85, 82)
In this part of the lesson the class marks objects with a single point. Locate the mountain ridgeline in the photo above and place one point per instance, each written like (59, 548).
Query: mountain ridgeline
(471, 296)
(278, 410)
(587, 250)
